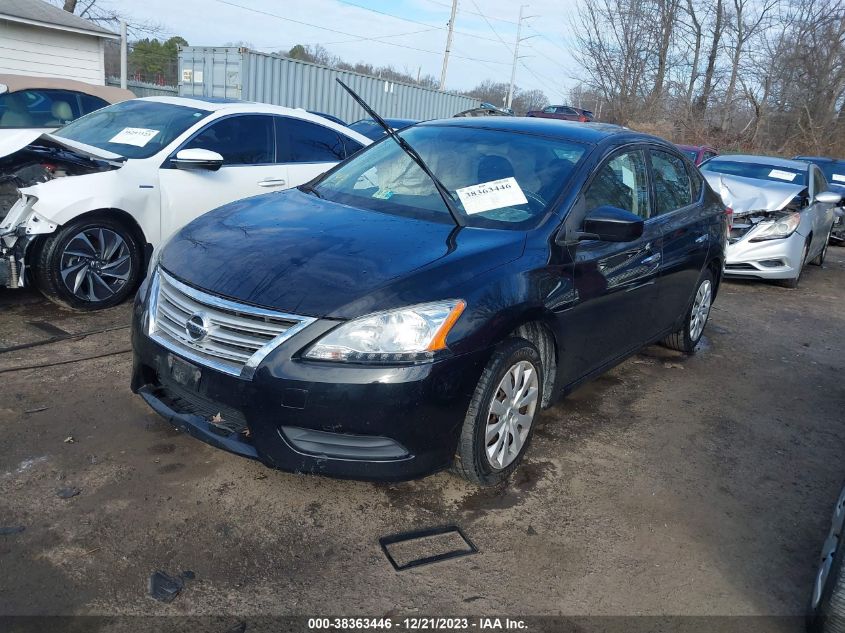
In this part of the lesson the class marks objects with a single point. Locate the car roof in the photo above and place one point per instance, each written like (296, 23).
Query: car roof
(235, 106)
(565, 130)
(820, 159)
(17, 83)
(774, 161)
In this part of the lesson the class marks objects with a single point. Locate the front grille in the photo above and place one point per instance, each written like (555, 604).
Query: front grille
(225, 335)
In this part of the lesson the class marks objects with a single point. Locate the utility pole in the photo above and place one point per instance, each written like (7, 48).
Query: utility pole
(519, 38)
(448, 45)
(123, 54)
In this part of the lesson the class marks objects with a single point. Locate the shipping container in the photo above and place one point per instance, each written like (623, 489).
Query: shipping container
(241, 73)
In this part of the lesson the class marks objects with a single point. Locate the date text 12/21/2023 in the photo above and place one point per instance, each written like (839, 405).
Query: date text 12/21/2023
(456, 625)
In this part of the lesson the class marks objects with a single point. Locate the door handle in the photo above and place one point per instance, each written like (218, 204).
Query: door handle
(651, 259)
(701, 238)
(271, 182)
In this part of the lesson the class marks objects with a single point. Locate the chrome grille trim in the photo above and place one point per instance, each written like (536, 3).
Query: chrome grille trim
(241, 335)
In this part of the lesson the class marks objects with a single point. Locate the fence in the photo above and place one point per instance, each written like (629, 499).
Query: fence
(143, 89)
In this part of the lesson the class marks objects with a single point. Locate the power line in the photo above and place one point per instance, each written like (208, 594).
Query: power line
(354, 35)
(443, 4)
(507, 46)
(404, 19)
(357, 39)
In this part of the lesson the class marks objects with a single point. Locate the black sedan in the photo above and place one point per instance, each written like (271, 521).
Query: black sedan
(414, 308)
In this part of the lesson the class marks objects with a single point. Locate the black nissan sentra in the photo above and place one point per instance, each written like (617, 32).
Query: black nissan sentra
(414, 308)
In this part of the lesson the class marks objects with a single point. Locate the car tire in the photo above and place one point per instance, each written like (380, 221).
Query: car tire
(92, 263)
(819, 261)
(695, 319)
(793, 283)
(486, 459)
(828, 616)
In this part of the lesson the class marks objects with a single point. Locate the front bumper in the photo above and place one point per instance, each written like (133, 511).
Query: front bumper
(361, 422)
(770, 259)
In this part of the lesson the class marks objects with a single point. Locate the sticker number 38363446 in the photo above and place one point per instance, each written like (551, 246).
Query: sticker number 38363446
(495, 194)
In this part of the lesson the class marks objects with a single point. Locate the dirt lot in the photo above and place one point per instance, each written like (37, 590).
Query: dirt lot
(668, 486)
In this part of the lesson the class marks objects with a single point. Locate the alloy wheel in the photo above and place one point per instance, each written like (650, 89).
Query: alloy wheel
(95, 264)
(700, 309)
(510, 414)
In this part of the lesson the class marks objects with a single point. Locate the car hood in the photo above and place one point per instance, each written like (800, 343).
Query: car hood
(745, 195)
(296, 253)
(9, 144)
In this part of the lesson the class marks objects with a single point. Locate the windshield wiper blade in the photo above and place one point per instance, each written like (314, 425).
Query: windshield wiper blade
(448, 200)
(309, 188)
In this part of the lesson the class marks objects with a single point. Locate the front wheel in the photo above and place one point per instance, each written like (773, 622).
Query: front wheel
(685, 339)
(89, 264)
(499, 422)
(819, 261)
(793, 283)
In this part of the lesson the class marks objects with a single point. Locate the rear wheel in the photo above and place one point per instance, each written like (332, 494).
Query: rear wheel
(499, 422)
(685, 339)
(89, 264)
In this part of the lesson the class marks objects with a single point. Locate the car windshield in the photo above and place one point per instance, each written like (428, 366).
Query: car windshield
(498, 179)
(692, 154)
(134, 129)
(761, 171)
(834, 172)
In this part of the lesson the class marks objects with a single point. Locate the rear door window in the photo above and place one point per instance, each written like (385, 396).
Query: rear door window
(672, 186)
(306, 142)
(240, 140)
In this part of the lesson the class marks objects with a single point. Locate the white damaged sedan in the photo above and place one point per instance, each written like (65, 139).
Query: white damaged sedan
(783, 213)
(92, 200)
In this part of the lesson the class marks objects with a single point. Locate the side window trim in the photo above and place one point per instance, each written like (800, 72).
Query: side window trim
(167, 162)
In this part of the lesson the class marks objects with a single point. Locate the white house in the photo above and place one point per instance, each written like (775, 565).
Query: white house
(40, 39)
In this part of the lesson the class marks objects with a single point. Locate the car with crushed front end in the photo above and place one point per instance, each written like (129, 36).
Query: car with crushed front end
(417, 306)
(782, 215)
(95, 197)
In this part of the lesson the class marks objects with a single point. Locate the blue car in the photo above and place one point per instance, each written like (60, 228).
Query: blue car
(834, 171)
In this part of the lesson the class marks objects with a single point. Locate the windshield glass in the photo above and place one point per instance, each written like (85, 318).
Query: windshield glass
(692, 154)
(373, 130)
(499, 179)
(834, 172)
(135, 129)
(760, 171)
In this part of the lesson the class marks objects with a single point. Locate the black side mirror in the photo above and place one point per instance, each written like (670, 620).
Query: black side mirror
(611, 224)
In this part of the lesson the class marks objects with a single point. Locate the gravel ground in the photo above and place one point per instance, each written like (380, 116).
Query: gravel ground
(670, 485)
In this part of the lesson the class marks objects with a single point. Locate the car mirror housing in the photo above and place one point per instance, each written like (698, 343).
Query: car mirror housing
(828, 197)
(197, 159)
(611, 224)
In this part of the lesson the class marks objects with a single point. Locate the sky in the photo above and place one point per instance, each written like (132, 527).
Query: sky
(409, 35)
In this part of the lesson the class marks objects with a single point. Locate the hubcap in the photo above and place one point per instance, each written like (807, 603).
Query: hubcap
(700, 309)
(510, 414)
(95, 264)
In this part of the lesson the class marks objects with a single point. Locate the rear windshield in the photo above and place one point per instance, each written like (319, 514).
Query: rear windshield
(498, 179)
(134, 129)
(834, 172)
(761, 171)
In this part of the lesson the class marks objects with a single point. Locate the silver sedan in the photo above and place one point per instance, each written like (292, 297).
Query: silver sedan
(783, 212)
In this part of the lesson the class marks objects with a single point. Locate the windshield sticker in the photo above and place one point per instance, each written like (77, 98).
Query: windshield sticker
(491, 195)
(137, 136)
(782, 175)
(383, 194)
(838, 177)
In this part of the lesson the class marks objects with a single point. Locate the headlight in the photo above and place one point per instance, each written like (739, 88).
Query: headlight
(405, 335)
(777, 229)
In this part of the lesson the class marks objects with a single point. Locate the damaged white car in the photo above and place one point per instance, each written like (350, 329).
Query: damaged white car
(783, 213)
(95, 197)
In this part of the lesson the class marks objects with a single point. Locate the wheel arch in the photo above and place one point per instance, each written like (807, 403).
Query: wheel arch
(536, 330)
